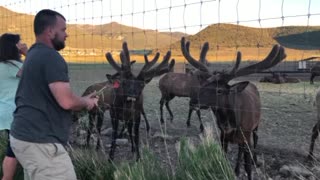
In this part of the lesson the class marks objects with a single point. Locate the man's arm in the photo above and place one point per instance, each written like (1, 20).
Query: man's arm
(68, 100)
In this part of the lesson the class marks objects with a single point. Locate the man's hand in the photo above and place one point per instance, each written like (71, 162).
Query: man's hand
(91, 100)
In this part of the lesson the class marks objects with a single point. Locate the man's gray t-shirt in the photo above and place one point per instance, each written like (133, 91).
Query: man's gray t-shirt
(38, 116)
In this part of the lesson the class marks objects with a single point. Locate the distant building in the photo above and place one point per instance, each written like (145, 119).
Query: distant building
(307, 63)
(140, 51)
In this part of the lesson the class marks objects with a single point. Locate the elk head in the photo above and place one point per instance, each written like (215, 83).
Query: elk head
(214, 87)
(125, 83)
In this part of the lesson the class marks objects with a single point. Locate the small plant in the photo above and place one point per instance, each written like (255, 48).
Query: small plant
(145, 169)
(206, 161)
(89, 165)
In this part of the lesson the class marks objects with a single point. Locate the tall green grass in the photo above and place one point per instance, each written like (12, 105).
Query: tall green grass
(90, 165)
(147, 168)
(3, 149)
(206, 161)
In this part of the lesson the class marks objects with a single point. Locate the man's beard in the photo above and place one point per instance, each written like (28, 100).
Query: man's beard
(57, 45)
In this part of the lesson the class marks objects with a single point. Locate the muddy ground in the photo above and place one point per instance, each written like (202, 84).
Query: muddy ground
(288, 115)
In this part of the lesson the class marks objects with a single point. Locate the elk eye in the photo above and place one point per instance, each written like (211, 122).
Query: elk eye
(219, 91)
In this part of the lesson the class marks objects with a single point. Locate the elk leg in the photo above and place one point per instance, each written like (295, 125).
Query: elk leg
(115, 123)
(224, 143)
(169, 110)
(315, 133)
(89, 130)
(189, 115)
(161, 109)
(136, 135)
(247, 160)
(255, 137)
(99, 125)
(146, 120)
(165, 100)
(130, 125)
(121, 134)
(255, 142)
(312, 77)
(199, 117)
(240, 152)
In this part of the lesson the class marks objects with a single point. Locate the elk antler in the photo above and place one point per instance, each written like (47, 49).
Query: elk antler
(125, 57)
(201, 64)
(161, 71)
(156, 70)
(112, 62)
(118, 73)
(148, 64)
(276, 55)
(165, 69)
(236, 66)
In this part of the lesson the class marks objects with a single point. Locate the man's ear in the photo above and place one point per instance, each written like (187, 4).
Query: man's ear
(238, 87)
(50, 32)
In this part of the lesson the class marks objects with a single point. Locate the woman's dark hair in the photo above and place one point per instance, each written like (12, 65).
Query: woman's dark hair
(8, 48)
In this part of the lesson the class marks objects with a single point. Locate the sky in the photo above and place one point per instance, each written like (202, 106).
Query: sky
(189, 16)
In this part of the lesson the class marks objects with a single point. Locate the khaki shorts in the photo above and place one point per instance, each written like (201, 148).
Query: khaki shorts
(43, 161)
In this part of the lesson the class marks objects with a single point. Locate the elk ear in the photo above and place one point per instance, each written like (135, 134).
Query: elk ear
(238, 87)
(110, 78)
(115, 82)
(147, 80)
(132, 62)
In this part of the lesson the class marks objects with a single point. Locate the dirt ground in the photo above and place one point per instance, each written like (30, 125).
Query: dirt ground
(288, 115)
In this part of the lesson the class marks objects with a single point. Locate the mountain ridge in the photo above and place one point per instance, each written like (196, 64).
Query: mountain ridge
(95, 40)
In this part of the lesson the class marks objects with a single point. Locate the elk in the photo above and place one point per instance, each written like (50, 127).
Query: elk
(179, 84)
(105, 89)
(126, 96)
(316, 127)
(315, 71)
(236, 107)
(279, 78)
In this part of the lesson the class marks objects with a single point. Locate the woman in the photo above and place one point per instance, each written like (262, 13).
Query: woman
(10, 70)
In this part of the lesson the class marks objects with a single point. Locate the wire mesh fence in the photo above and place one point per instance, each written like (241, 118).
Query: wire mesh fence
(98, 26)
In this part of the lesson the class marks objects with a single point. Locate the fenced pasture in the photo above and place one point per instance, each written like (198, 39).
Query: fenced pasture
(288, 115)
(95, 27)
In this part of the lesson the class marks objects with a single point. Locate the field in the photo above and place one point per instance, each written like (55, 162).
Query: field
(288, 115)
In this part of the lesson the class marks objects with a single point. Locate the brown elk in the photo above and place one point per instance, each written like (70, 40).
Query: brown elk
(127, 98)
(236, 107)
(279, 78)
(316, 128)
(315, 71)
(180, 84)
(105, 90)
